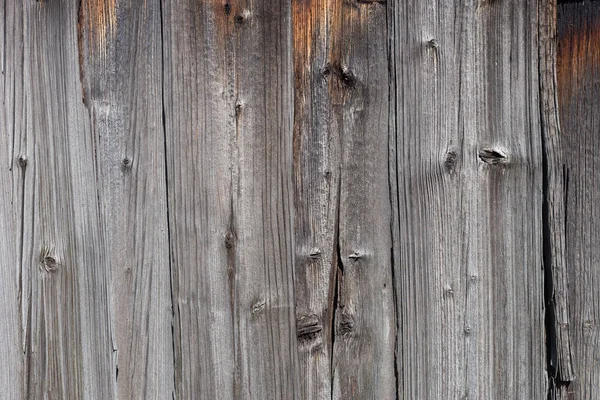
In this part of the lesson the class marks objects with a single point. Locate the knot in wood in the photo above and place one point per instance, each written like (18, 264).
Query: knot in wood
(127, 163)
(308, 328)
(493, 156)
(451, 160)
(346, 324)
(315, 253)
(50, 264)
(23, 161)
(348, 78)
(229, 239)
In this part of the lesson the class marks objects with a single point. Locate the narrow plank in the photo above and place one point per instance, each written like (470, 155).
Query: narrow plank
(316, 190)
(364, 320)
(344, 289)
(64, 330)
(559, 347)
(121, 68)
(228, 103)
(578, 74)
(467, 243)
(13, 167)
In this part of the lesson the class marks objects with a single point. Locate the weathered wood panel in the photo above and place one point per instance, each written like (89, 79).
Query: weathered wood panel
(344, 288)
(467, 248)
(13, 205)
(578, 77)
(55, 268)
(298, 199)
(121, 70)
(228, 107)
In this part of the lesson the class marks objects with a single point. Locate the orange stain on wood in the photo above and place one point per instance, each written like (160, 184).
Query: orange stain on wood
(101, 21)
(578, 56)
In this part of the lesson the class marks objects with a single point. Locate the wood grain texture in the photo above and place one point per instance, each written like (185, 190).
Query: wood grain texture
(559, 347)
(468, 182)
(317, 167)
(344, 288)
(578, 73)
(14, 160)
(228, 99)
(315, 199)
(121, 69)
(58, 269)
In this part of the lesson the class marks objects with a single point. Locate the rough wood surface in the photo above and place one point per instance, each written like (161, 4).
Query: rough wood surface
(578, 72)
(468, 188)
(315, 199)
(228, 110)
(344, 287)
(559, 348)
(56, 277)
(121, 72)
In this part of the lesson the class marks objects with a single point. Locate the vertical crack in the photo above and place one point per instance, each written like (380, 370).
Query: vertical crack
(551, 345)
(392, 172)
(174, 314)
(558, 374)
(337, 279)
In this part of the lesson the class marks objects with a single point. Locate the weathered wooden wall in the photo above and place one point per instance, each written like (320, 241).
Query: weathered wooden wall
(309, 199)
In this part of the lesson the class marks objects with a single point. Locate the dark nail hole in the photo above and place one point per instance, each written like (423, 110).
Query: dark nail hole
(227, 8)
(239, 19)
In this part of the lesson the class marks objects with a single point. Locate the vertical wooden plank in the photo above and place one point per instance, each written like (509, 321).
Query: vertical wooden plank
(559, 347)
(121, 67)
(578, 73)
(228, 88)
(13, 166)
(467, 227)
(364, 320)
(344, 288)
(64, 327)
(317, 169)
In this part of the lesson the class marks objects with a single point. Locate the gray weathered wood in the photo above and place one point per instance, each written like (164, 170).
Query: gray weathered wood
(56, 269)
(467, 248)
(578, 72)
(309, 199)
(228, 98)
(121, 68)
(316, 196)
(344, 288)
(559, 348)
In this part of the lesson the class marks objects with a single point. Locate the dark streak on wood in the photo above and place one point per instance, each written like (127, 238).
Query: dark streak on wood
(575, 204)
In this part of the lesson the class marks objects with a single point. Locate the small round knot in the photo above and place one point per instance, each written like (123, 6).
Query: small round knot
(23, 161)
(229, 239)
(348, 78)
(50, 264)
(127, 163)
(451, 160)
